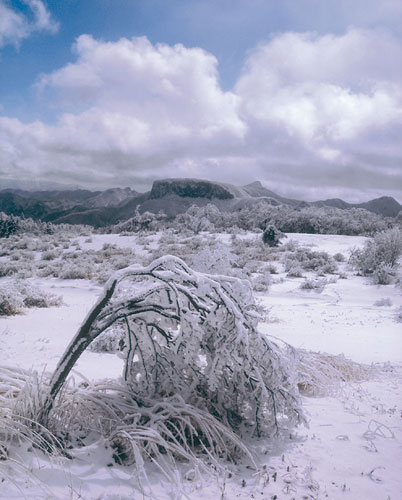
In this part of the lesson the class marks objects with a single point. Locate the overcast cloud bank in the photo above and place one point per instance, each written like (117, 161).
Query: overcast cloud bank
(311, 116)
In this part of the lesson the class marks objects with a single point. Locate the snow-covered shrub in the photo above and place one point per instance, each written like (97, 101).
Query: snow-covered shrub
(294, 271)
(8, 269)
(270, 268)
(398, 315)
(261, 282)
(194, 361)
(214, 259)
(320, 262)
(17, 295)
(271, 236)
(44, 270)
(314, 284)
(380, 256)
(290, 246)
(383, 302)
(112, 340)
(339, 257)
(76, 271)
(384, 274)
(51, 254)
(11, 301)
(9, 225)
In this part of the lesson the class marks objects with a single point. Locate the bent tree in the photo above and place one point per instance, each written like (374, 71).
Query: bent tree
(193, 335)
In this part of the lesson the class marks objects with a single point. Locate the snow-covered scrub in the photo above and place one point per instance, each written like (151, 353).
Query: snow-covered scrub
(159, 394)
(17, 295)
(299, 219)
(380, 256)
(271, 236)
(197, 372)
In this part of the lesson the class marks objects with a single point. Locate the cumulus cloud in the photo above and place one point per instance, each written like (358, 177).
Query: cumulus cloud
(171, 93)
(320, 112)
(324, 89)
(16, 26)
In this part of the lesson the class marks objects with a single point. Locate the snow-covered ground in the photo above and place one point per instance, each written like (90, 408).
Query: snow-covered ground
(352, 448)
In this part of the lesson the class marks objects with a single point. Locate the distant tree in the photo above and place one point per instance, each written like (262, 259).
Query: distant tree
(272, 236)
(9, 225)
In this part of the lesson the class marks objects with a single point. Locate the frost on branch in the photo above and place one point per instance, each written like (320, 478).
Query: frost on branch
(192, 335)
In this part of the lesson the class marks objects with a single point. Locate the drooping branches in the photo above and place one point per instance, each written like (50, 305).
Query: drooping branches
(193, 335)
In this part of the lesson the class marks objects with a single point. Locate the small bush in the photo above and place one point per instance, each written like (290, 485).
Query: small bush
(16, 295)
(314, 284)
(110, 341)
(295, 271)
(261, 282)
(308, 260)
(339, 257)
(380, 256)
(383, 302)
(272, 236)
(9, 225)
(73, 272)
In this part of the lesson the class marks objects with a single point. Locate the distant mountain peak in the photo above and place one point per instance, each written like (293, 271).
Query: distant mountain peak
(190, 188)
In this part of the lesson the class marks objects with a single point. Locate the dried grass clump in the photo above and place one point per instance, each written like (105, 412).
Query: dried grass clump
(322, 374)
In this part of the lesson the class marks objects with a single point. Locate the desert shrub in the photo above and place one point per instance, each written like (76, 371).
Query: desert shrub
(261, 282)
(50, 254)
(290, 246)
(11, 302)
(141, 222)
(308, 260)
(380, 256)
(16, 295)
(214, 259)
(76, 271)
(271, 236)
(120, 262)
(383, 302)
(197, 376)
(44, 270)
(294, 270)
(398, 315)
(111, 341)
(314, 284)
(339, 257)
(8, 269)
(383, 275)
(270, 268)
(9, 225)
(250, 254)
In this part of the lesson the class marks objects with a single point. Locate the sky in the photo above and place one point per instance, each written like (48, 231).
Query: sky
(302, 95)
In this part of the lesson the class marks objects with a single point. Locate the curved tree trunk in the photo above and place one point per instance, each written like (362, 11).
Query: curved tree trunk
(85, 335)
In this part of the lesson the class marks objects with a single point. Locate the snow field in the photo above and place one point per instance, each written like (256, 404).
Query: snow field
(352, 448)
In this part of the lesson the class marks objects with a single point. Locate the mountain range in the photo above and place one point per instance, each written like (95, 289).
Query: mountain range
(173, 196)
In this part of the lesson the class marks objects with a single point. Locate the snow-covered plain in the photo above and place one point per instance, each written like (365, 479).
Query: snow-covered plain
(352, 448)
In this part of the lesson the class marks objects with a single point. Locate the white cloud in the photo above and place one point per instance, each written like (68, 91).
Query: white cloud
(173, 90)
(324, 89)
(15, 26)
(306, 110)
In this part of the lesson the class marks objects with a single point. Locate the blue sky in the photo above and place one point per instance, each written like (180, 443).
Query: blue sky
(304, 95)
